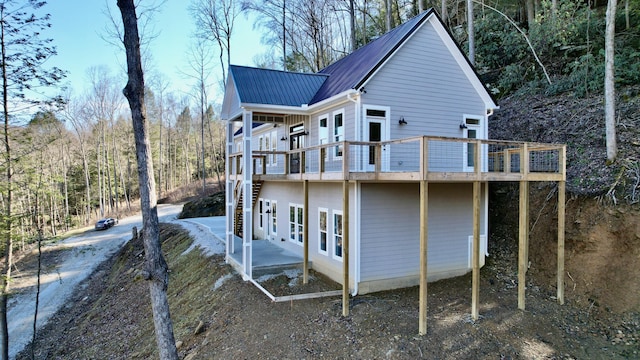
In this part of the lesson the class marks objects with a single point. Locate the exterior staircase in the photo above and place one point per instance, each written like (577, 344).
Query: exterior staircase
(255, 192)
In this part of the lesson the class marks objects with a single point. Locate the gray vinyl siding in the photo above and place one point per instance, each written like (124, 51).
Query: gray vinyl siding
(321, 195)
(390, 229)
(231, 101)
(423, 83)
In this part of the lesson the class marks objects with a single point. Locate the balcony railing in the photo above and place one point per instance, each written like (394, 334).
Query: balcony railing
(425, 157)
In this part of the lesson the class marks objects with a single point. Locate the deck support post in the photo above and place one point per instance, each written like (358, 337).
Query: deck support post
(523, 242)
(305, 232)
(561, 220)
(424, 222)
(475, 257)
(345, 247)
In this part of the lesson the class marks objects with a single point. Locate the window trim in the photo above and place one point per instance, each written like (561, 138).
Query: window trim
(465, 134)
(298, 227)
(334, 235)
(338, 137)
(274, 218)
(260, 213)
(327, 222)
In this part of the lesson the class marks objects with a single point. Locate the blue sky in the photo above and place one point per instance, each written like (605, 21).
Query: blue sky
(77, 26)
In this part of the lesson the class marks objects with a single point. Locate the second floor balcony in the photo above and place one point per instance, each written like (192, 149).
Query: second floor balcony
(428, 158)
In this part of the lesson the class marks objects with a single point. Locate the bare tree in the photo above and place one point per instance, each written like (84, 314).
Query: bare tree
(156, 268)
(23, 54)
(609, 81)
(216, 18)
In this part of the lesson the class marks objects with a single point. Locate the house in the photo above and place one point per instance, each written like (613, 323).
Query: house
(376, 168)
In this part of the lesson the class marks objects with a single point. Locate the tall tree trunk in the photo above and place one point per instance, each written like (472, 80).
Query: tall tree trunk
(609, 82)
(155, 266)
(531, 14)
(8, 241)
(471, 31)
(388, 12)
(352, 24)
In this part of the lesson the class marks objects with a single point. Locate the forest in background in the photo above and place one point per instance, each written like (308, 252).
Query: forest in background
(73, 160)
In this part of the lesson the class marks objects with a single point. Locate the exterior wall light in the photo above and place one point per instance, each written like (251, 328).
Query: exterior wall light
(402, 121)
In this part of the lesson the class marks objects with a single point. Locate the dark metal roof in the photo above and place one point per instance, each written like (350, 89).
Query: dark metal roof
(274, 87)
(353, 70)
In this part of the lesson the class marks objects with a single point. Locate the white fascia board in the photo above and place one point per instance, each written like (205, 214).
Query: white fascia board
(273, 109)
(303, 109)
(234, 116)
(340, 98)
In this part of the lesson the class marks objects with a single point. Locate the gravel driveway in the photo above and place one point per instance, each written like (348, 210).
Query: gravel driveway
(79, 256)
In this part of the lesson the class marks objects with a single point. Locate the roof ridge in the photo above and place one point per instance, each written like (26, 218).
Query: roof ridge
(276, 70)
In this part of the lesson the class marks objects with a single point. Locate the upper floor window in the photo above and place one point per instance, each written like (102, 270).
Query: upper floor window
(338, 132)
(323, 130)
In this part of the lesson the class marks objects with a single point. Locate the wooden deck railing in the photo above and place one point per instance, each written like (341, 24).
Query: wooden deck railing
(416, 158)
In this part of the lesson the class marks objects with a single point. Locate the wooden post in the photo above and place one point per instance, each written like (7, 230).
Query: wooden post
(561, 221)
(378, 159)
(345, 246)
(424, 222)
(305, 232)
(562, 163)
(523, 241)
(475, 257)
(507, 160)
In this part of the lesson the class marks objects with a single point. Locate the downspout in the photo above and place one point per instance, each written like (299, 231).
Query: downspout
(356, 100)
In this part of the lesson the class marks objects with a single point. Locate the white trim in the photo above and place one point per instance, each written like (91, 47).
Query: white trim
(465, 134)
(484, 250)
(334, 135)
(386, 134)
(357, 209)
(327, 223)
(326, 117)
(260, 213)
(333, 235)
(274, 219)
(296, 233)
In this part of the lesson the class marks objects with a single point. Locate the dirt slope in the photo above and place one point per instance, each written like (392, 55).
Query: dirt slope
(217, 315)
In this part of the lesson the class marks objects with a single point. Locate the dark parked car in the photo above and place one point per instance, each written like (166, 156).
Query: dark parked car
(104, 224)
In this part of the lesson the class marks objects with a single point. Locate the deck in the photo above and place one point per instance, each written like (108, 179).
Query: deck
(424, 158)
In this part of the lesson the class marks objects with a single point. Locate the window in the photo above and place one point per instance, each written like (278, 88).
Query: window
(300, 226)
(267, 147)
(323, 131)
(473, 130)
(337, 235)
(323, 217)
(274, 218)
(296, 228)
(338, 132)
(260, 213)
(274, 147)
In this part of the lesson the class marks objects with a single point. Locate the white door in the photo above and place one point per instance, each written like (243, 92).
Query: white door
(473, 130)
(376, 130)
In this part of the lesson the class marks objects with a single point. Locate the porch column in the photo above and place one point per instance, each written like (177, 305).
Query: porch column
(523, 242)
(229, 191)
(561, 220)
(475, 258)
(345, 247)
(424, 222)
(247, 194)
(305, 232)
